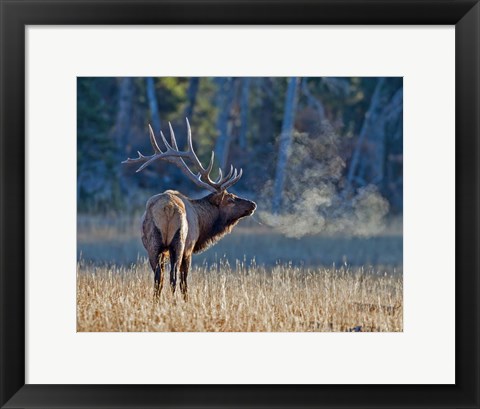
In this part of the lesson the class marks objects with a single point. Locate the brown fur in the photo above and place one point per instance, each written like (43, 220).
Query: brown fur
(178, 226)
(168, 214)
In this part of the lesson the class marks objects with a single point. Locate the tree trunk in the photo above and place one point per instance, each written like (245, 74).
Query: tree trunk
(244, 106)
(121, 132)
(266, 116)
(285, 142)
(389, 114)
(370, 118)
(225, 96)
(124, 114)
(153, 104)
(312, 101)
(191, 96)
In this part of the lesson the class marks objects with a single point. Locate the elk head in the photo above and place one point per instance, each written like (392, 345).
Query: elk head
(231, 207)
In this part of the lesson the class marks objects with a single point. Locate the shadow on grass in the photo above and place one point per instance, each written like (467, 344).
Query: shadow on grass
(265, 247)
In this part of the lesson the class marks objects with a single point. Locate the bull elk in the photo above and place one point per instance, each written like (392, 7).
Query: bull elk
(176, 226)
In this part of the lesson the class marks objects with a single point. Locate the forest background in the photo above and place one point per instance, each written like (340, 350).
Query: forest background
(320, 156)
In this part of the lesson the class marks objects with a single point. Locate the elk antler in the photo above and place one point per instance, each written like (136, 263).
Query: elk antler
(176, 156)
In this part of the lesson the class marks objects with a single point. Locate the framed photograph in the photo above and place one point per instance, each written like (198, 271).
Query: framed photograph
(239, 204)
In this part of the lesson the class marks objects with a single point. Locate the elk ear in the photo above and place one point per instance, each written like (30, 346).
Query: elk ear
(217, 198)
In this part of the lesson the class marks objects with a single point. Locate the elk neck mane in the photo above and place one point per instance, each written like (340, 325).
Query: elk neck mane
(212, 226)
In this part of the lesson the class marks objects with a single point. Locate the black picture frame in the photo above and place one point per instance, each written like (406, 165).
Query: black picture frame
(15, 15)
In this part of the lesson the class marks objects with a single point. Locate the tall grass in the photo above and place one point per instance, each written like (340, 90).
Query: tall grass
(242, 297)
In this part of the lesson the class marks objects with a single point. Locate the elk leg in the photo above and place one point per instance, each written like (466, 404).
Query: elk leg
(154, 263)
(176, 254)
(186, 262)
(152, 241)
(159, 271)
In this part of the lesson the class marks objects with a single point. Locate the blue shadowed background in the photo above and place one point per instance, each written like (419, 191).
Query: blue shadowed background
(322, 157)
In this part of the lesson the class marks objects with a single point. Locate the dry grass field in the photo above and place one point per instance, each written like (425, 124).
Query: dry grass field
(240, 298)
(237, 293)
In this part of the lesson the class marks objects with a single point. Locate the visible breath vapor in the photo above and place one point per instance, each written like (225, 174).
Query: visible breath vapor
(317, 198)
